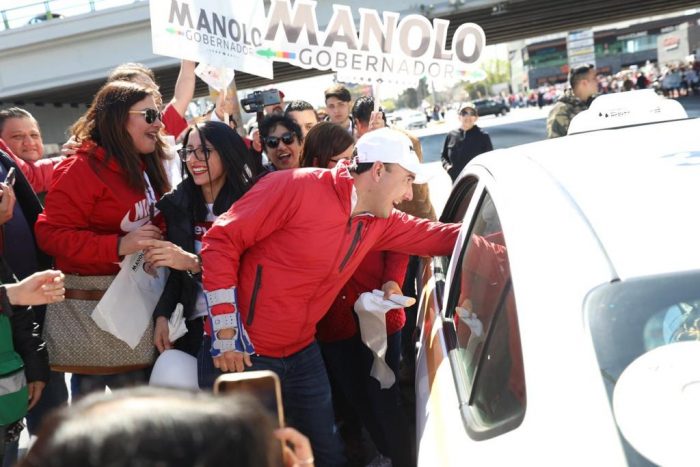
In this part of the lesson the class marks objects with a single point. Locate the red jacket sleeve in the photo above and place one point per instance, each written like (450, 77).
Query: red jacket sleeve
(259, 213)
(173, 122)
(38, 173)
(64, 229)
(410, 235)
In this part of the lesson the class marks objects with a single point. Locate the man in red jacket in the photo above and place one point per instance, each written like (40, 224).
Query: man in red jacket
(278, 258)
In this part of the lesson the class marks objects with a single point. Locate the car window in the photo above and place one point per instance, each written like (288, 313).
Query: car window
(644, 331)
(486, 355)
(455, 209)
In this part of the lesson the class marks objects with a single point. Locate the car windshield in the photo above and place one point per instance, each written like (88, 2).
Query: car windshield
(639, 329)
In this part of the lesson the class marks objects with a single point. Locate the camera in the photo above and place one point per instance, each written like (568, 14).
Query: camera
(257, 101)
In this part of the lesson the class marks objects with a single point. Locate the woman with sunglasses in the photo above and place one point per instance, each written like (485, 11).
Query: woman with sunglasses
(218, 171)
(101, 204)
(282, 140)
(347, 359)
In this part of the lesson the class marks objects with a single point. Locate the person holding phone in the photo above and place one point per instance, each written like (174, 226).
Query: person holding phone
(97, 211)
(19, 210)
(155, 426)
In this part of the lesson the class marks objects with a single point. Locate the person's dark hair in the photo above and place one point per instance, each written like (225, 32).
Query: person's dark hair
(579, 73)
(129, 71)
(13, 112)
(362, 109)
(359, 168)
(157, 427)
(338, 91)
(236, 160)
(323, 142)
(105, 124)
(270, 122)
(298, 106)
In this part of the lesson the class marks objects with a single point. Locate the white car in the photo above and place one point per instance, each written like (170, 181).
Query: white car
(410, 119)
(565, 327)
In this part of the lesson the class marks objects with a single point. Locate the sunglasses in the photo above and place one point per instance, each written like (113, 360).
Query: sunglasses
(471, 113)
(274, 141)
(201, 153)
(149, 114)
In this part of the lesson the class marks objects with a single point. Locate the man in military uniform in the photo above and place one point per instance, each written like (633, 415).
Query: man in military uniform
(576, 99)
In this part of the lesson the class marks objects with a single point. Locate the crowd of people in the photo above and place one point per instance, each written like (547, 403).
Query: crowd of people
(259, 245)
(262, 243)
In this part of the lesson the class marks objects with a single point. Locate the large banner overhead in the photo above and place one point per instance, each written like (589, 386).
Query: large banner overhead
(366, 47)
(384, 47)
(221, 33)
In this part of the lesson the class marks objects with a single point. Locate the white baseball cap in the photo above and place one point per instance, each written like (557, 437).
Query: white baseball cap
(391, 147)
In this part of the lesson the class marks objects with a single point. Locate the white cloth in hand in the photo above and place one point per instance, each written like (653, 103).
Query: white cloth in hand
(371, 311)
(176, 324)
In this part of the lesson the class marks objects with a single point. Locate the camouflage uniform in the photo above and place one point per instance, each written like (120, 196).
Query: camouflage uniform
(561, 114)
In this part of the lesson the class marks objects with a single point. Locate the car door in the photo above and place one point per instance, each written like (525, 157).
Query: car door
(470, 382)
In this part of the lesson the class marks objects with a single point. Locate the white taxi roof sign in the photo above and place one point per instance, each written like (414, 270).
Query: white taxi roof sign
(625, 109)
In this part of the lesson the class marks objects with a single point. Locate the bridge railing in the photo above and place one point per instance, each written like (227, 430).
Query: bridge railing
(51, 10)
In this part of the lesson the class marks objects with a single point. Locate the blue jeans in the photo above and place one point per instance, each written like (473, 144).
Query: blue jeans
(306, 395)
(55, 395)
(91, 383)
(349, 362)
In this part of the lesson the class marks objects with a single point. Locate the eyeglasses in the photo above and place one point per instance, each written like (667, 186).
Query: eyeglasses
(274, 141)
(471, 113)
(201, 153)
(149, 114)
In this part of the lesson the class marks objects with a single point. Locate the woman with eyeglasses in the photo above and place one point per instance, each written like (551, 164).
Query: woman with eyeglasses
(218, 171)
(101, 204)
(282, 140)
(347, 359)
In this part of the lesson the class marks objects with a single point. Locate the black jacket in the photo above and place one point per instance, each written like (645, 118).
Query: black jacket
(25, 321)
(26, 337)
(29, 203)
(181, 287)
(460, 147)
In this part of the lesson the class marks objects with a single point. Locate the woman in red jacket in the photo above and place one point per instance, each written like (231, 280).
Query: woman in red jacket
(347, 359)
(100, 205)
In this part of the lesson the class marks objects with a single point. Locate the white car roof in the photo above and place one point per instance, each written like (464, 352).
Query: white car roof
(638, 188)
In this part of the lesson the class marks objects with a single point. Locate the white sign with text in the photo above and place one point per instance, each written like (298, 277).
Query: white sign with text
(220, 33)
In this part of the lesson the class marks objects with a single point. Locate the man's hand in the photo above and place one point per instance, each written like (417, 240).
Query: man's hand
(130, 242)
(38, 289)
(297, 448)
(231, 362)
(163, 253)
(7, 202)
(389, 288)
(35, 389)
(161, 335)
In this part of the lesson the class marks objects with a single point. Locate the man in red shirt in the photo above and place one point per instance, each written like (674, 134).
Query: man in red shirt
(286, 248)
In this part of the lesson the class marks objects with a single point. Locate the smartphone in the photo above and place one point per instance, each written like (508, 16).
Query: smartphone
(10, 179)
(264, 385)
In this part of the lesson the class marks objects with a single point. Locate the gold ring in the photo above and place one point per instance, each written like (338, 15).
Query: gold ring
(308, 461)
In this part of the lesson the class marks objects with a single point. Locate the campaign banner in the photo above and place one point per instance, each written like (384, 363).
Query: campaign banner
(220, 33)
(384, 47)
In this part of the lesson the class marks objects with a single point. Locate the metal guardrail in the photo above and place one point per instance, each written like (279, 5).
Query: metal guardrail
(33, 12)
